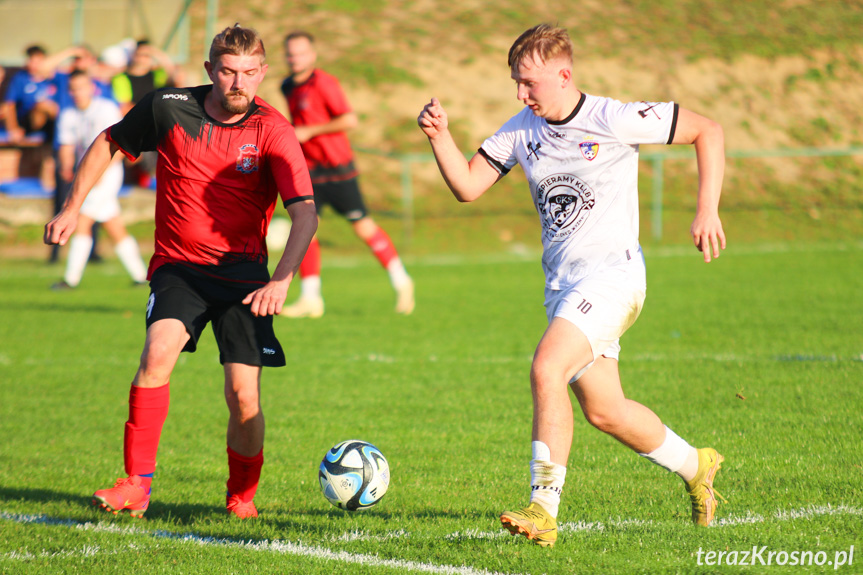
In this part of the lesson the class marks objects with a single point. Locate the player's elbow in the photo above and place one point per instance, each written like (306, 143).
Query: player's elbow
(711, 133)
(466, 195)
(713, 130)
(350, 121)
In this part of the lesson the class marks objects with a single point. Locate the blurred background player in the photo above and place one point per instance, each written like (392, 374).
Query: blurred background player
(77, 128)
(29, 104)
(580, 155)
(79, 57)
(321, 116)
(148, 68)
(225, 159)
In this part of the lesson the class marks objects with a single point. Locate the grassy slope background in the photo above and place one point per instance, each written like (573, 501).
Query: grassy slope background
(775, 74)
(783, 74)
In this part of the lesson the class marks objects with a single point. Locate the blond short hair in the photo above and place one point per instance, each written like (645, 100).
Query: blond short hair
(545, 41)
(237, 41)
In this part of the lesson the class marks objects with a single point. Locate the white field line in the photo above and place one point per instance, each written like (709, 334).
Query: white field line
(619, 524)
(280, 547)
(288, 548)
(588, 526)
(494, 360)
(639, 357)
(84, 551)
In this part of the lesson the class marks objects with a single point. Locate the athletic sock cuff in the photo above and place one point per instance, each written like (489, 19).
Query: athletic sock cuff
(259, 458)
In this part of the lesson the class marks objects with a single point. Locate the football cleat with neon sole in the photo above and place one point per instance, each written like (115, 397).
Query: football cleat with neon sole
(405, 302)
(701, 491)
(305, 306)
(534, 522)
(240, 508)
(128, 494)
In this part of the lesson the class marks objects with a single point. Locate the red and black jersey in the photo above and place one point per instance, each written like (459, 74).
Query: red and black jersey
(216, 183)
(317, 101)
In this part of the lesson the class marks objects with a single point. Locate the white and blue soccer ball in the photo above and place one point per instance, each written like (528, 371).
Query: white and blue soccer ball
(354, 475)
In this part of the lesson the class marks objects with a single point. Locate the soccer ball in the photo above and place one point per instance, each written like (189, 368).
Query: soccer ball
(354, 475)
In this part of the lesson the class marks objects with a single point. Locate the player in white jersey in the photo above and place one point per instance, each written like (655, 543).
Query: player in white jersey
(77, 127)
(580, 155)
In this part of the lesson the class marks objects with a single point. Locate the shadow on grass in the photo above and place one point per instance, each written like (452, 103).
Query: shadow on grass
(203, 518)
(71, 306)
(181, 514)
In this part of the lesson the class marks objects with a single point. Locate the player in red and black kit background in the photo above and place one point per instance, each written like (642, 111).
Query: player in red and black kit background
(321, 115)
(224, 159)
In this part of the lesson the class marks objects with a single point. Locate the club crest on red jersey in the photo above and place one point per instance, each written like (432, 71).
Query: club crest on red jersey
(249, 159)
(589, 149)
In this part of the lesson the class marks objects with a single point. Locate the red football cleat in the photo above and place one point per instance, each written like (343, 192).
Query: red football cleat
(128, 493)
(240, 508)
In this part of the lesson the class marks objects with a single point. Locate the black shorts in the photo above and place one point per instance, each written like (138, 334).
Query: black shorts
(194, 296)
(344, 196)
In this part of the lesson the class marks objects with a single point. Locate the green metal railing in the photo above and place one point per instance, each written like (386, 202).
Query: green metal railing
(656, 159)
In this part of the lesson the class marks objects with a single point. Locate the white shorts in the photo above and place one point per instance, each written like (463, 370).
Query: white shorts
(101, 203)
(602, 305)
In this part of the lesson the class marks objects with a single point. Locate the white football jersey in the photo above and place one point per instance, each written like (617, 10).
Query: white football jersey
(583, 177)
(79, 128)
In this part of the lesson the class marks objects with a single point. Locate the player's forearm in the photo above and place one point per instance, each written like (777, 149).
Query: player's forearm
(92, 166)
(304, 224)
(66, 159)
(343, 123)
(710, 151)
(455, 168)
(10, 116)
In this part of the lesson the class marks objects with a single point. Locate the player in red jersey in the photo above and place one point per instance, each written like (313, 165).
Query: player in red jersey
(321, 115)
(224, 158)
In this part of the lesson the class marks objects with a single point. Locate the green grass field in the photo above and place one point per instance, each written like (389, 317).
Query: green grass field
(758, 354)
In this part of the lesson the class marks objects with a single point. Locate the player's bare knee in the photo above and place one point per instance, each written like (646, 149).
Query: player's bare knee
(244, 404)
(546, 377)
(157, 362)
(150, 376)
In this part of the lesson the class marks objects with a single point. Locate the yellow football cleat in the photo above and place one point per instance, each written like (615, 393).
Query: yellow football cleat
(701, 491)
(533, 522)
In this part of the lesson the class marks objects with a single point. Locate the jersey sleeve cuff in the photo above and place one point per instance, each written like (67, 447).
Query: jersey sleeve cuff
(673, 124)
(125, 153)
(501, 169)
(290, 201)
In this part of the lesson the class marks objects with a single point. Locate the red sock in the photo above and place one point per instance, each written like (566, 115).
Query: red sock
(311, 264)
(382, 246)
(148, 408)
(244, 473)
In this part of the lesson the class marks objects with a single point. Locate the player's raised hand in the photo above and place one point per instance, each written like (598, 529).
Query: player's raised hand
(707, 234)
(433, 120)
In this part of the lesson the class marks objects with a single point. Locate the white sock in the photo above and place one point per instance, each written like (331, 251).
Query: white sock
(675, 455)
(79, 252)
(130, 256)
(546, 479)
(398, 274)
(310, 287)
